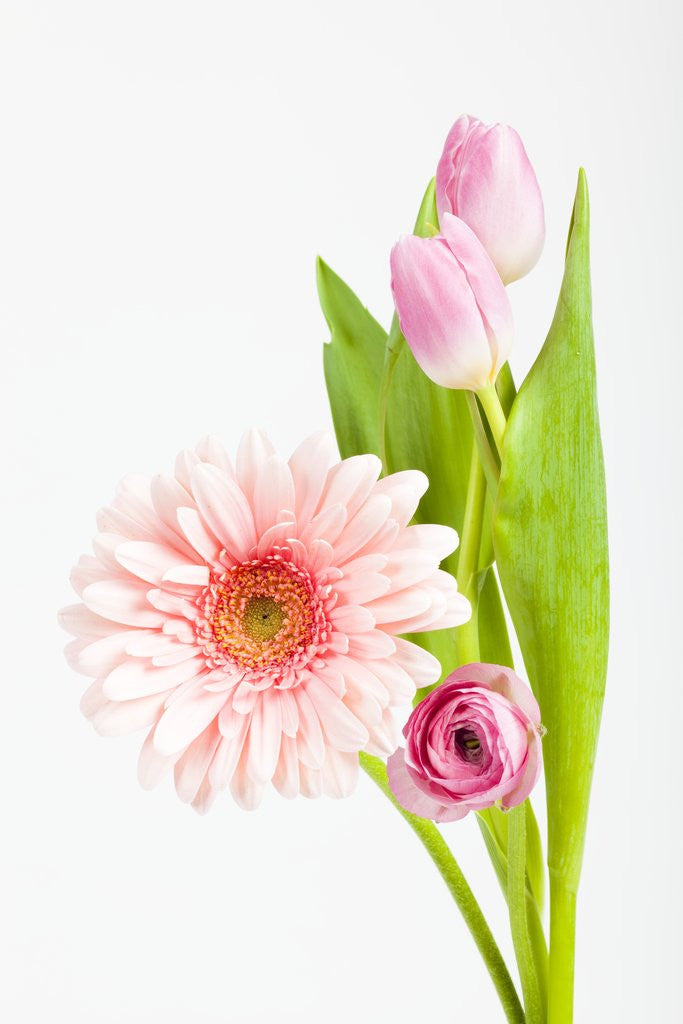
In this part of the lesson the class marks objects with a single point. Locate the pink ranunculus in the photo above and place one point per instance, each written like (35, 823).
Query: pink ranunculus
(452, 306)
(472, 742)
(484, 177)
(252, 618)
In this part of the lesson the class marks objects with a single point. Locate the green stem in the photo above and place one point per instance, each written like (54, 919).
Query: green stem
(488, 459)
(496, 841)
(562, 932)
(438, 850)
(519, 922)
(490, 403)
(391, 354)
(467, 635)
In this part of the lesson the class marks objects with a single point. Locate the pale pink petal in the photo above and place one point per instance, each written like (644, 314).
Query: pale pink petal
(351, 618)
(227, 756)
(123, 601)
(401, 607)
(198, 536)
(118, 718)
(211, 450)
(224, 509)
(138, 677)
(147, 561)
(419, 664)
(342, 729)
(273, 492)
(153, 766)
(309, 466)
(263, 739)
(375, 644)
(80, 621)
(350, 482)
(254, 448)
(194, 764)
(309, 738)
(362, 528)
(340, 773)
(245, 791)
(286, 777)
(405, 490)
(310, 781)
(103, 655)
(185, 719)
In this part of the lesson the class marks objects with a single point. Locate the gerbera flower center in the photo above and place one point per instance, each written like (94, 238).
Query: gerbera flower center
(262, 618)
(262, 615)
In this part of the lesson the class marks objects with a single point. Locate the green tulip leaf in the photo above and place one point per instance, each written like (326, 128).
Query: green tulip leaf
(550, 539)
(353, 362)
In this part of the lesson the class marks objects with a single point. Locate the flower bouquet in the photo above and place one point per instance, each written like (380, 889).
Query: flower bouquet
(282, 621)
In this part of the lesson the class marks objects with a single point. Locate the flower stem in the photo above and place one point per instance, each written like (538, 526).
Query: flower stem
(562, 932)
(391, 354)
(467, 635)
(488, 459)
(490, 403)
(519, 921)
(438, 850)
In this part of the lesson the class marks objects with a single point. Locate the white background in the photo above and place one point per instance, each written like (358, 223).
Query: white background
(169, 171)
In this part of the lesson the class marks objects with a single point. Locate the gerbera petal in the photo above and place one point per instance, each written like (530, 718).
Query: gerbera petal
(138, 677)
(192, 767)
(118, 718)
(153, 766)
(350, 482)
(340, 773)
(103, 655)
(273, 492)
(362, 587)
(202, 541)
(80, 621)
(185, 719)
(123, 601)
(227, 756)
(263, 740)
(403, 606)
(168, 495)
(211, 450)
(286, 777)
(245, 791)
(375, 644)
(254, 448)
(310, 781)
(225, 509)
(362, 528)
(147, 561)
(341, 727)
(420, 665)
(309, 466)
(309, 738)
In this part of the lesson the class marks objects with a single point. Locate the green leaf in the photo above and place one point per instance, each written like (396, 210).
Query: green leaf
(353, 361)
(550, 538)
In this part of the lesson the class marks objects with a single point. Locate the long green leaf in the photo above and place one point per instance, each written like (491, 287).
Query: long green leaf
(550, 538)
(550, 535)
(353, 361)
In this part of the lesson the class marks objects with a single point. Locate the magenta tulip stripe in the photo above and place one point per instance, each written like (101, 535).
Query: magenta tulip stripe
(278, 623)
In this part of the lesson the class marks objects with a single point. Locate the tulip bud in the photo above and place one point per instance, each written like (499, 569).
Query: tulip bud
(452, 306)
(484, 177)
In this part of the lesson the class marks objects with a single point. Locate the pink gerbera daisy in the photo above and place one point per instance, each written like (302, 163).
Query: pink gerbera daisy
(248, 617)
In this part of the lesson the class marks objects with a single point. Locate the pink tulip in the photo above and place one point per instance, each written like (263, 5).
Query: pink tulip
(452, 306)
(472, 742)
(485, 178)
